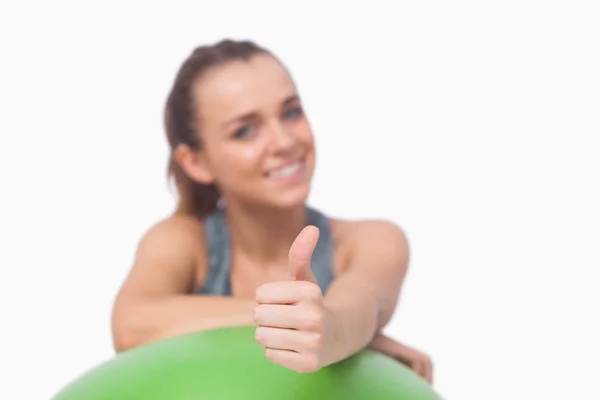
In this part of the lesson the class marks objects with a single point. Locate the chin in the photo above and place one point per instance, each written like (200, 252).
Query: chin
(292, 201)
(292, 198)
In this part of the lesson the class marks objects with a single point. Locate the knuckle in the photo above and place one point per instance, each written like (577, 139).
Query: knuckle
(314, 321)
(257, 315)
(257, 334)
(268, 354)
(314, 342)
(263, 292)
(258, 293)
(313, 291)
(311, 364)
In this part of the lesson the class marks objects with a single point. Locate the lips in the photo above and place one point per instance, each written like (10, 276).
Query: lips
(287, 171)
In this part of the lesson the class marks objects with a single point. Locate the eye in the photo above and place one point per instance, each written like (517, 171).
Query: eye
(243, 132)
(293, 113)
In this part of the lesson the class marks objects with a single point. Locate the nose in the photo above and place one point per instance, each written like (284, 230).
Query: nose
(281, 138)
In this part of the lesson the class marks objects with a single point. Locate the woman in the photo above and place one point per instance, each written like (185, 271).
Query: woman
(242, 247)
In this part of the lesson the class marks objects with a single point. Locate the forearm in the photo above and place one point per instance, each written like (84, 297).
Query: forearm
(356, 315)
(149, 320)
(381, 343)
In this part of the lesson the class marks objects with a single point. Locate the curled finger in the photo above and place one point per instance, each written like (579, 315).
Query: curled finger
(278, 316)
(295, 361)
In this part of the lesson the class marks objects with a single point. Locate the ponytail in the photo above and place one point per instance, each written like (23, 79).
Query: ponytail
(195, 198)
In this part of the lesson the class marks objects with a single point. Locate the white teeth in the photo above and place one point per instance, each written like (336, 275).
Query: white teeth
(285, 171)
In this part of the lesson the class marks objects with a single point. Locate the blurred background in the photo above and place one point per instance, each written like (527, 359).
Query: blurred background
(473, 125)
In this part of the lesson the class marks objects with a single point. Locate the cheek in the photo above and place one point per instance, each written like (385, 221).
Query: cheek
(305, 136)
(250, 155)
(309, 144)
(240, 161)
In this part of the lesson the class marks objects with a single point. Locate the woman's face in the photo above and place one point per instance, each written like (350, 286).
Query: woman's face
(257, 143)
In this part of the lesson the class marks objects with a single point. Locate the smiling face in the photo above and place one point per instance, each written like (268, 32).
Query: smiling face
(257, 145)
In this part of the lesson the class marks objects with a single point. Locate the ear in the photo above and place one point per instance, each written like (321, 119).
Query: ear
(194, 163)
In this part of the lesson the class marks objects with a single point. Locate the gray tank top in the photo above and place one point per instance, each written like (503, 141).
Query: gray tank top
(218, 281)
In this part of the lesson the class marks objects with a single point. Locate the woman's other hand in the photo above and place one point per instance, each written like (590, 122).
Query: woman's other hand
(414, 359)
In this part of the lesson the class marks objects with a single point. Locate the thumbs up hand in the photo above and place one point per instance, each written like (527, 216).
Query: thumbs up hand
(293, 323)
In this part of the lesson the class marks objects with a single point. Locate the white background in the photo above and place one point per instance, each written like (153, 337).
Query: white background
(472, 124)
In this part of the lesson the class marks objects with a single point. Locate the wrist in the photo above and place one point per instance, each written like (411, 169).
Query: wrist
(339, 347)
(354, 324)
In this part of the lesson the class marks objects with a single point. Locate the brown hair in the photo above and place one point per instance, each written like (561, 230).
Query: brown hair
(180, 116)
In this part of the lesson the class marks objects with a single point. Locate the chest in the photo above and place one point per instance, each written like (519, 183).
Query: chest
(226, 270)
(246, 277)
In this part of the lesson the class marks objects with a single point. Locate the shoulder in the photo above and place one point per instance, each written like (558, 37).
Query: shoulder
(175, 227)
(169, 257)
(369, 230)
(370, 237)
(176, 234)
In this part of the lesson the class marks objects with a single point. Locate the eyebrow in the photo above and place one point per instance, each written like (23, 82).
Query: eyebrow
(248, 116)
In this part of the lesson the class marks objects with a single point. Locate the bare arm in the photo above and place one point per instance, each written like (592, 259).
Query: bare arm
(154, 302)
(363, 299)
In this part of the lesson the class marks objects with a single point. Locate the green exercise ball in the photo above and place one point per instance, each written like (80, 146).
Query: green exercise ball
(228, 364)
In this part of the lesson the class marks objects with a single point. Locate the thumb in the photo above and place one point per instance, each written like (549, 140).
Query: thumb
(301, 253)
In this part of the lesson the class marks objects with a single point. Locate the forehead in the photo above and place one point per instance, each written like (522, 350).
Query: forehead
(240, 87)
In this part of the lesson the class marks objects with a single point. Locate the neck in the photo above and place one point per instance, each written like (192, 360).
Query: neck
(265, 234)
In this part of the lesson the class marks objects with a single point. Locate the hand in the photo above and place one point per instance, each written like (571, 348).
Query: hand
(293, 323)
(414, 359)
